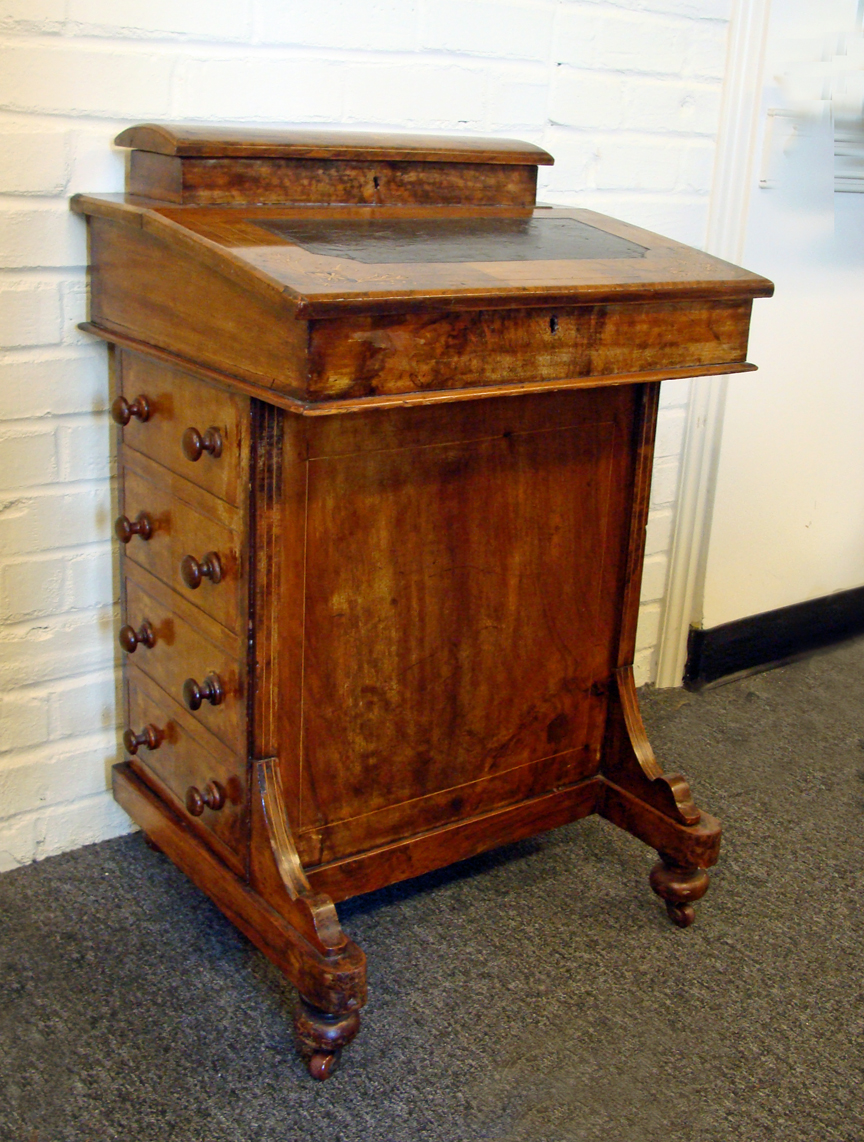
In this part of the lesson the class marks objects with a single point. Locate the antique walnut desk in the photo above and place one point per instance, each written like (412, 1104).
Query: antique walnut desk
(385, 456)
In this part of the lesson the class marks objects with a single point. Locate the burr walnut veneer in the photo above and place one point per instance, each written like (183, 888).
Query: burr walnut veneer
(386, 441)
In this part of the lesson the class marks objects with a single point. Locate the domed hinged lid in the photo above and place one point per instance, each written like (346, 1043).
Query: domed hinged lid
(269, 166)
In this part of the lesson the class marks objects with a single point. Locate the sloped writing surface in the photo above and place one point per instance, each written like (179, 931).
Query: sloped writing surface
(396, 240)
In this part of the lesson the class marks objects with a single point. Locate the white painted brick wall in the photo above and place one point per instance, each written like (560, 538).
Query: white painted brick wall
(625, 93)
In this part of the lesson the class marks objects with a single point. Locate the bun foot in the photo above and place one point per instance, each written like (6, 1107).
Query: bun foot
(321, 1036)
(680, 888)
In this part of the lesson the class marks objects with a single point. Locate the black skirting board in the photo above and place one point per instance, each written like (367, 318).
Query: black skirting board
(760, 641)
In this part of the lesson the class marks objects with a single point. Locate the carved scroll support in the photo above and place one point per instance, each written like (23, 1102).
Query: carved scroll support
(631, 763)
(320, 1030)
(278, 874)
(295, 928)
(656, 807)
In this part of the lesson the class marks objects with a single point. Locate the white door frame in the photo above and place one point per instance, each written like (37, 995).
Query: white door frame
(727, 229)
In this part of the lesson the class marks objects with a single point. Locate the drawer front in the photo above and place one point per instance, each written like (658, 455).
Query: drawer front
(172, 652)
(359, 356)
(181, 412)
(181, 762)
(178, 531)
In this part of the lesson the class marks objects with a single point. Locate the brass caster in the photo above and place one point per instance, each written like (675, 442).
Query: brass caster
(681, 915)
(322, 1064)
(321, 1036)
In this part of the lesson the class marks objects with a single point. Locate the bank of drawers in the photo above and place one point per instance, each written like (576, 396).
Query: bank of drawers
(182, 527)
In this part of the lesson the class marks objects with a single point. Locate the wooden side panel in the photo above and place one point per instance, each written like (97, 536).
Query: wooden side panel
(211, 181)
(461, 616)
(155, 176)
(456, 841)
(159, 293)
(364, 356)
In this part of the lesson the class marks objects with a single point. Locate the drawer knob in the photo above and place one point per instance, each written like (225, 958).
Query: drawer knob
(130, 638)
(194, 572)
(124, 528)
(212, 796)
(122, 411)
(210, 690)
(195, 445)
(150, 738)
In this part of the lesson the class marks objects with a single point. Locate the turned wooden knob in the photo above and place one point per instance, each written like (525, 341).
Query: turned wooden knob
(210, 690)
(124, 528)
(150, 738)
(122, 411)
(194, 572)
(130, 638)
(194, 444)
(212, 796)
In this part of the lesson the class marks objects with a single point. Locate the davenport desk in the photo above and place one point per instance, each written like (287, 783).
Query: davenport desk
(386, 445)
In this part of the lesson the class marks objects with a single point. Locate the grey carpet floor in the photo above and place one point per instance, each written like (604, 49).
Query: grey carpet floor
(535, 994)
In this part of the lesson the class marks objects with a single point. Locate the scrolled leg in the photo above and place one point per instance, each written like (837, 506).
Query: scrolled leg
(680, 887)
(320, 1037)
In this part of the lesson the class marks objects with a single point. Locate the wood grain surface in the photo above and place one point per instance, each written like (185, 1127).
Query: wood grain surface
(255, 142)
(181, 651)
(302, 181)
(355, 357)
(456, 841)
(461, 582)
(177, 402)
(181, 527)
(416, 427)
(321, 286)
(426, 398)
(189, 755)
(333, 983)
(146, 286)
